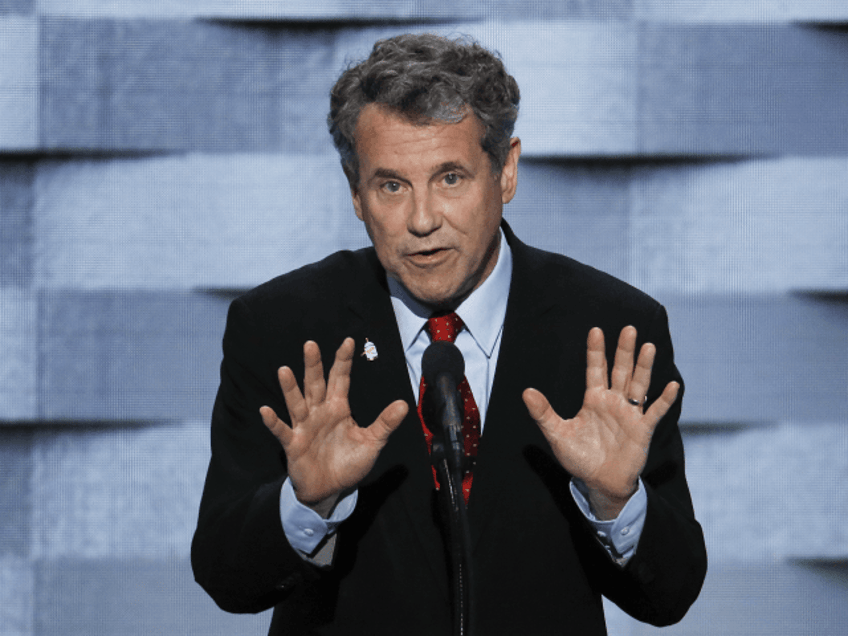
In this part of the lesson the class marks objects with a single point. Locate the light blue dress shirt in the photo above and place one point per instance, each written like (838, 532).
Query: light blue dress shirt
(483, 313)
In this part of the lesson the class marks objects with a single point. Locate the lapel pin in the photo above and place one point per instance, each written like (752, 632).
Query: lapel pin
(370, 351)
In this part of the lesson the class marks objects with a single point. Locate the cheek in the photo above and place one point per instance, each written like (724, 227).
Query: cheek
(382, 218)
(384, 240)
(480, 224)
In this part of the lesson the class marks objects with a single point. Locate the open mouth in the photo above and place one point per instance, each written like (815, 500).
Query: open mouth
(429, 257)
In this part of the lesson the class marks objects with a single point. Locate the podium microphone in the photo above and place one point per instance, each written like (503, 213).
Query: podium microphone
(443, 368)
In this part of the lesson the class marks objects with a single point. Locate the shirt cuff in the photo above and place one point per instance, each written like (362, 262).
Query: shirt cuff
(620, 535)
(304, 528)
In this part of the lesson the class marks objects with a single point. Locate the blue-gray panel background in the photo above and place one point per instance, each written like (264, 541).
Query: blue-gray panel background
(156, 159)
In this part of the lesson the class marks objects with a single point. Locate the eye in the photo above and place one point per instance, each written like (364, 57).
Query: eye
(452, 178)
(391, 186)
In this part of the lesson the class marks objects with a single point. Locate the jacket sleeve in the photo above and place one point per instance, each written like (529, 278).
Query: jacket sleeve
(240, 554)
(664, 577)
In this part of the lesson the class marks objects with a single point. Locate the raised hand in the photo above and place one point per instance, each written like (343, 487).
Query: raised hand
(326, 451)
(606, 443)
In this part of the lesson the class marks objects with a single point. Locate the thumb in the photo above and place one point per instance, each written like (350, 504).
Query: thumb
(539, 408)
(280, 429)
(389, 420)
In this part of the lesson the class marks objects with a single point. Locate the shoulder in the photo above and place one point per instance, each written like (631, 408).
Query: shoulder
(325, 282)
(306, 302)
(575, 297)
(594, 284)
(268, 324)
(565, 280)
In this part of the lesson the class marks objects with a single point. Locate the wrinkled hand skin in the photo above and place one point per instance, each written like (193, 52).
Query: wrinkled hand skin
(606, 444)
(326, 451)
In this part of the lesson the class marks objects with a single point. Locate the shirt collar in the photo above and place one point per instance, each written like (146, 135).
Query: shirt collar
(482, 312)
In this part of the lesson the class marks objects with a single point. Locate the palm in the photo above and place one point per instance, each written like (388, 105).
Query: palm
(326, 450)
(606, 443)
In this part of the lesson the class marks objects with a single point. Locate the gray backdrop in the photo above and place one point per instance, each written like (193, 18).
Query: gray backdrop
(158, 157)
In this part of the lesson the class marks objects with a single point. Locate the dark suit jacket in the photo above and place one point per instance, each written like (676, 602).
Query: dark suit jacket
(539, 568)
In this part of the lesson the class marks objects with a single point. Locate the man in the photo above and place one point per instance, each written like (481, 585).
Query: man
(319, 501)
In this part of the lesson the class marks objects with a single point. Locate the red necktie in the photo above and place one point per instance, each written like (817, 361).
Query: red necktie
(447, 328)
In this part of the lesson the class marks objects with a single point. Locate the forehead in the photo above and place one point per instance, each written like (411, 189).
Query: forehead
(384, 135)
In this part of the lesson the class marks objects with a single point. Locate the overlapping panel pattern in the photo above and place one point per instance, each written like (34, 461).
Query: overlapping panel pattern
(158, 157)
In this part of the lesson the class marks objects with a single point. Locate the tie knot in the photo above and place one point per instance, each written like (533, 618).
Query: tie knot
(444, 327)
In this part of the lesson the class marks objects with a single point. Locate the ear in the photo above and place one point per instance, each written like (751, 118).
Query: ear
(509, 174)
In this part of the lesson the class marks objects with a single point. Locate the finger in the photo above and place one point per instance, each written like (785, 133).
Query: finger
(278, 427)
(642, 374)
(339, 382)
(388, 421)
(622, 368)
(660, 407)
(298, 409)
(539, 408)
(314, 387)
(596, 360)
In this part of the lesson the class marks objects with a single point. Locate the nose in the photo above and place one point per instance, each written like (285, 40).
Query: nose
(425, 216)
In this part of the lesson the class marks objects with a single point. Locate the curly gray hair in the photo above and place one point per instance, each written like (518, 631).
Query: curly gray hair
(426, 77)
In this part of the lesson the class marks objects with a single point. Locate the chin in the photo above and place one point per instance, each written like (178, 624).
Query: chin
(438, 298)
(433, 300)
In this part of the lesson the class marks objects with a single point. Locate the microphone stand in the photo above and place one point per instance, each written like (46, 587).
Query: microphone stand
(448, 461)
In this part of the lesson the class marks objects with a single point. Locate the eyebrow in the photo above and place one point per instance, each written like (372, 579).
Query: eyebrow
(385, 173)
(447, 166)
(450, 166)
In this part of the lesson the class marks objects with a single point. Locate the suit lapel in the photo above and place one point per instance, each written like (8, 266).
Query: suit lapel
(404, 464)
(538, 348)
(532, 348)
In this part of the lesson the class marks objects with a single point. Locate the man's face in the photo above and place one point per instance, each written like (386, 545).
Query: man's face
(430, 202)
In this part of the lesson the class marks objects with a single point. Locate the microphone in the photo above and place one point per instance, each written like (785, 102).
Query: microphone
(443, 368)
